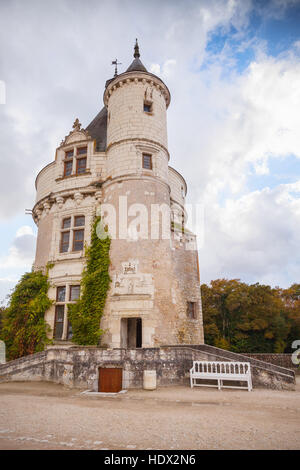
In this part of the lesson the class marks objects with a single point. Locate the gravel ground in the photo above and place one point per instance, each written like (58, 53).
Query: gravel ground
(43, 415)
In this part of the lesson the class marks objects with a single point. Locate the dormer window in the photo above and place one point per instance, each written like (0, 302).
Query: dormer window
(81, 162)
(68, 165)
(68, 168)
(78, 156)
(147, 107)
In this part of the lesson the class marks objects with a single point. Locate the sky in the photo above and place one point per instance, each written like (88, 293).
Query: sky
(233, 70)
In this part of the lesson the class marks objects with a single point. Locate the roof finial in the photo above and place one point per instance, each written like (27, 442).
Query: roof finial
(136, 54)
(76, 125)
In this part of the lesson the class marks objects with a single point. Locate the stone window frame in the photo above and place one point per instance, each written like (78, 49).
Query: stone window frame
(144, 154)
(58, 303)
(191, 315)
(149, 150)
(75, 158)
(71, 229)
(150, 104)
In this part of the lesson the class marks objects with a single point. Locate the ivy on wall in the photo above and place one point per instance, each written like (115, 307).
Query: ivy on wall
(24, 329)
(86, 313)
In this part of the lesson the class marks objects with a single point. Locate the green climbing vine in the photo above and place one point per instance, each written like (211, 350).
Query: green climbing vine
(24, 328)
(86, 313)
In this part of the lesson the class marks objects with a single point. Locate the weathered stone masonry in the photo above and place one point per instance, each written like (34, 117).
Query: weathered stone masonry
(154, 279)
(78, 367)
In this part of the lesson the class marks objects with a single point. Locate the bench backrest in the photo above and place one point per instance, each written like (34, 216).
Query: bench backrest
(216, 367)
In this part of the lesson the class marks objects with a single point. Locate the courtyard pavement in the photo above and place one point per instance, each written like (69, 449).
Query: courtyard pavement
(41, 415)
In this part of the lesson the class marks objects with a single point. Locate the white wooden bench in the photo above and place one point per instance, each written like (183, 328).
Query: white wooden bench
(220, 371)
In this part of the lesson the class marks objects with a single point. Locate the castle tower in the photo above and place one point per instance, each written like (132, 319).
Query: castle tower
(121, 163)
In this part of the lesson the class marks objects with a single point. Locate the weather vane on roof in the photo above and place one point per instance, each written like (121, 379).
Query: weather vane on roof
(116, 63)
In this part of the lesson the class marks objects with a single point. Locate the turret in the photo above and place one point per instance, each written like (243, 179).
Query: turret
(136, 103)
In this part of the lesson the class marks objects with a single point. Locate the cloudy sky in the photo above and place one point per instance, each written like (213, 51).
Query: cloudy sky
(233, 70)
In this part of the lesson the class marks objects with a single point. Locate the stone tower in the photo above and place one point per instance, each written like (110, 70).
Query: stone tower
(120, 163)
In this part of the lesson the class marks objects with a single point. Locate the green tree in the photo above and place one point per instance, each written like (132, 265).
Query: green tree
(24, 328)
(86, 313)
(248, 318)
(2, 315)
(291, 299)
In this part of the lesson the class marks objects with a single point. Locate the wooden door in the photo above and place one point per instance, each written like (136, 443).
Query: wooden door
(110, 380)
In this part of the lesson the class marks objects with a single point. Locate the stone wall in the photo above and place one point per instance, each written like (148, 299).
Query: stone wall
(282, 360)
(79, 366)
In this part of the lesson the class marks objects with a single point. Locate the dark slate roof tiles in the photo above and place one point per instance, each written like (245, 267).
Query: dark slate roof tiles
(98, 130)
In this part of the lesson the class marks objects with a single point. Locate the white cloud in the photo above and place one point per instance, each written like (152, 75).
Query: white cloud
(21, 252)
(24, 230)
(254, 237)
(155, 68)
(224, 126)
(223, 132)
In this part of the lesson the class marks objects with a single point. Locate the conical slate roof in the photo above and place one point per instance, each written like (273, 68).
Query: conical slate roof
(136, 66)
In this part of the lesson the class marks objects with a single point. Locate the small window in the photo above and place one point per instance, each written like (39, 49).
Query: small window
(147, 107)
(74, 292)
(78, 240)
(66, 223)
(65, 238)
(147, 161)
(69, 154)
(191, 309)
(82, 151)
(61, 294)
(68, 168)
(79, 221)
(81, 166)
(59, 321)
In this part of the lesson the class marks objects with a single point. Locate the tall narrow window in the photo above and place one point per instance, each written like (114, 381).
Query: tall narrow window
(191, 310)
(81, 160)
(65, 239)
(65, 235)
(68, 165)
(74, 294)
(61, 294)
(147, 161)
(78, 236)
(59, 321)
